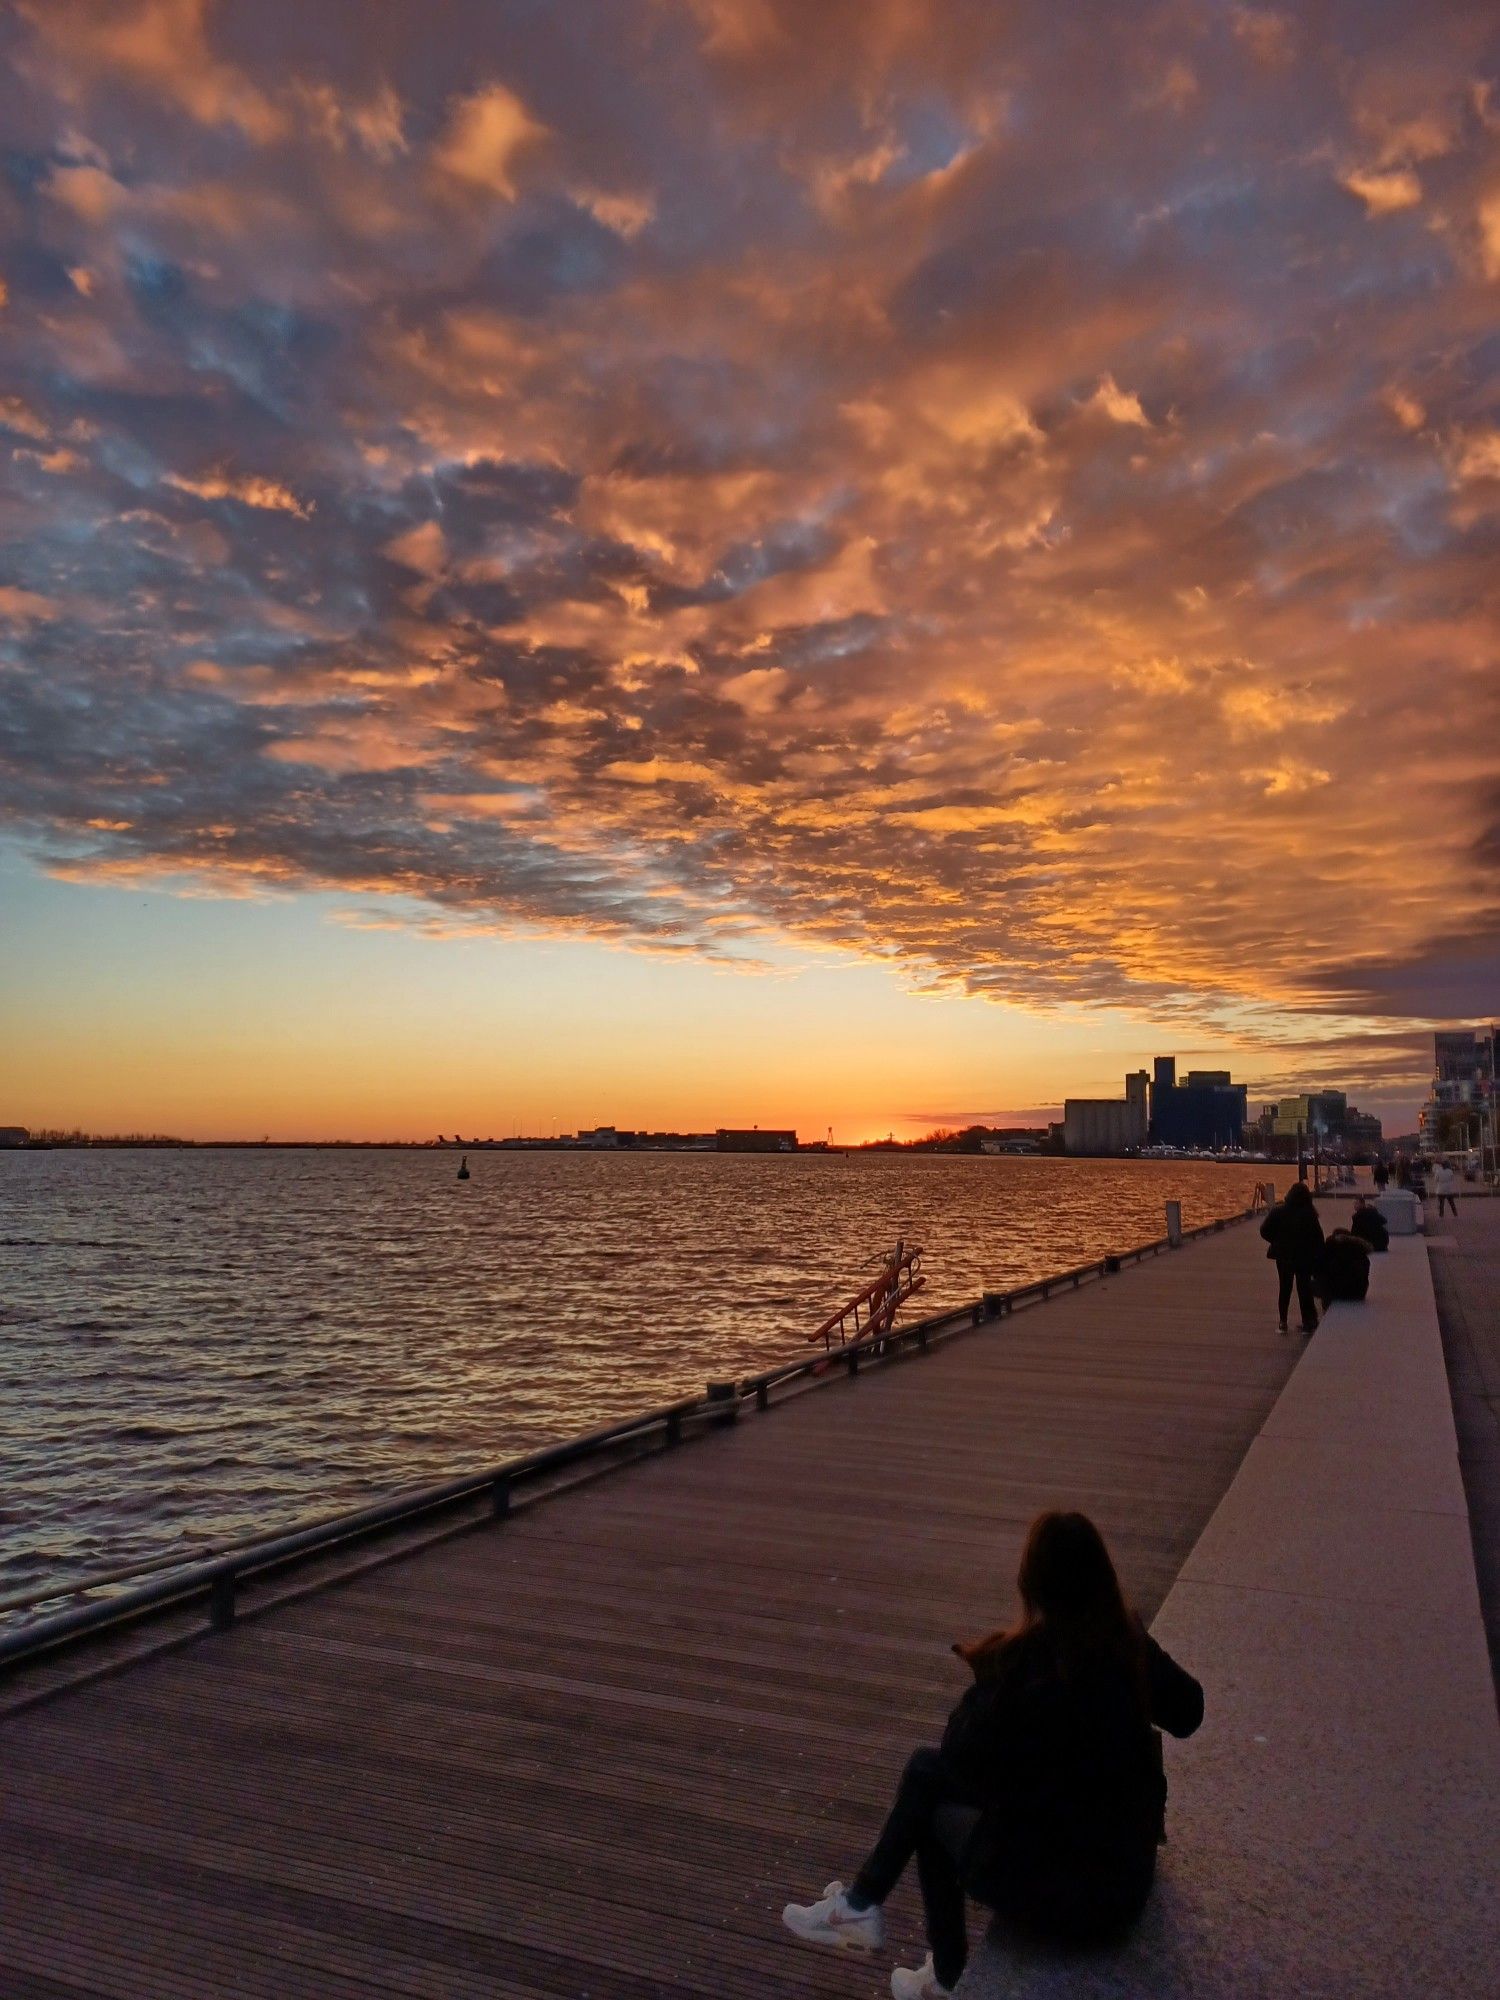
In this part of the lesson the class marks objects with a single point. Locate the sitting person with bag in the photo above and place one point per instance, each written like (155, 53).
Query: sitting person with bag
(1370, 1226)
(1046, 1800)
(1343, 1268)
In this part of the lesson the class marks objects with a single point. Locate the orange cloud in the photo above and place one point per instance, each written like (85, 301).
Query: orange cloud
(161, 46)
(250, 489)
(1384, 193)
(809, 504)
(487, 135)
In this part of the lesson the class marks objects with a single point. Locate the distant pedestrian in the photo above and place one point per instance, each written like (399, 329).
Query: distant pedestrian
(1382, 1177)
(1046, 1801)
(1443, 1181)
(1295, 1239)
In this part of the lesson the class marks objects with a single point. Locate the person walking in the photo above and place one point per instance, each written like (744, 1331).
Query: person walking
(1443, 1181)
(1295, 1237)
(1382, 1176)
(1046, 1798)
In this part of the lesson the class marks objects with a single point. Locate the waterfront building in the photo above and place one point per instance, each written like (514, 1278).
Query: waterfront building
(13, 1135)
(729, 1139)
(1291, 1119)
(1204, 1113)
(1107, 1124)
(1362, 1131)
(604, 1138)
(1459, 1114)
(1138, 1096)
(1338, 1124)
(1320, 1120)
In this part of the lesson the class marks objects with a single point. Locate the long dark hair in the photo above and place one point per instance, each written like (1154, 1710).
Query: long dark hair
(1298, 1195)
(1071, 1600)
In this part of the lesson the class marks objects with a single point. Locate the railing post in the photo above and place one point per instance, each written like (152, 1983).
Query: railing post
(674, 1427)
(727, 1407)
(500, 1495)
(221, 1602)
(762, 1396)
(922, 1338)
(851, 1361)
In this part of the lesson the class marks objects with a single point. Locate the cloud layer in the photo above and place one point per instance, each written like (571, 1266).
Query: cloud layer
(1013, 491)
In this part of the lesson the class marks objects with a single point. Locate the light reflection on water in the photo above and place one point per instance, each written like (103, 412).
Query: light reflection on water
(198, 1346)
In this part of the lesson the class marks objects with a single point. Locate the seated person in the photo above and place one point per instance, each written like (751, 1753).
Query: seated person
(1046, 1799)
(1371, 1226)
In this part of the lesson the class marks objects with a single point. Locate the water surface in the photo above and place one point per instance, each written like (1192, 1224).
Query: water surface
(198, 1346)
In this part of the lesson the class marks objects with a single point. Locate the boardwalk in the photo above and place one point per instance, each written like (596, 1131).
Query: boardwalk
(589, 1752)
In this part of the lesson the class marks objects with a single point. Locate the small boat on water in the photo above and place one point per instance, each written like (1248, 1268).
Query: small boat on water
(463, 1168)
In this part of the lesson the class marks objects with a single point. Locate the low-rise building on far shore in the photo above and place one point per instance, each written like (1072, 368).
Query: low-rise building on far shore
(730, 1139)
(14, 1135)
(1317, 1121)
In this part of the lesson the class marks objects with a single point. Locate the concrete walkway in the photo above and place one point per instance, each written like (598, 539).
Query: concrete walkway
(1466, 1279)
(1334, 1825)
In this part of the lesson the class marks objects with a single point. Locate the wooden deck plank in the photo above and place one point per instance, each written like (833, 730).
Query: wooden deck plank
(592, 1750)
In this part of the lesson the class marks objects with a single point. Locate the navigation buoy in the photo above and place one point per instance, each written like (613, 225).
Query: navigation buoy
(463, 1171)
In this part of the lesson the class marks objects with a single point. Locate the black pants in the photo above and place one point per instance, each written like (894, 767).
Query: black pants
(1307, 1304)
(929, 1821)
(1452, 1205)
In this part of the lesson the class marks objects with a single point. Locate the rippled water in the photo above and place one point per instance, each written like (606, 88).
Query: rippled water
(197, 1346)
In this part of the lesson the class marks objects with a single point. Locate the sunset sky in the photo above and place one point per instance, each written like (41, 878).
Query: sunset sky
(868, 562)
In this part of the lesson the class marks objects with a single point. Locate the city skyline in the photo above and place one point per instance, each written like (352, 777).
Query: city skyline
(710, 558)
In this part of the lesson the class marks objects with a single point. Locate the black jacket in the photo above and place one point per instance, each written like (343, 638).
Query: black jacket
(1370, 1224)
(1294, 1234)
(1344, 1267)
(1066, 1769)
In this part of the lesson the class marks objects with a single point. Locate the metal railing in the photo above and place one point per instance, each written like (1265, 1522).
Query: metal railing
(218, 1581)
(900, 1278)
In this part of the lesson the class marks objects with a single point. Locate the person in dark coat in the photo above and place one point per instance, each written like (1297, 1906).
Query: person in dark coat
(1046, 1798)
(1295, 1236)
(1344, 1267)
(1382, 1177)
(1369, 1224)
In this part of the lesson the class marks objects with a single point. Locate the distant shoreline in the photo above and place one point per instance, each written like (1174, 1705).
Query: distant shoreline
(511, 1147)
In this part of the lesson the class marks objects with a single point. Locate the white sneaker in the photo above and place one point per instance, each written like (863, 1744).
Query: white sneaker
(919, 1985)
(831, 1920)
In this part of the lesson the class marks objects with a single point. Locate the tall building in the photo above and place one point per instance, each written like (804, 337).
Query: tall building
(1206, 1113)
(1460, 1109)
(1108, 1124)
(1137, 1096)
